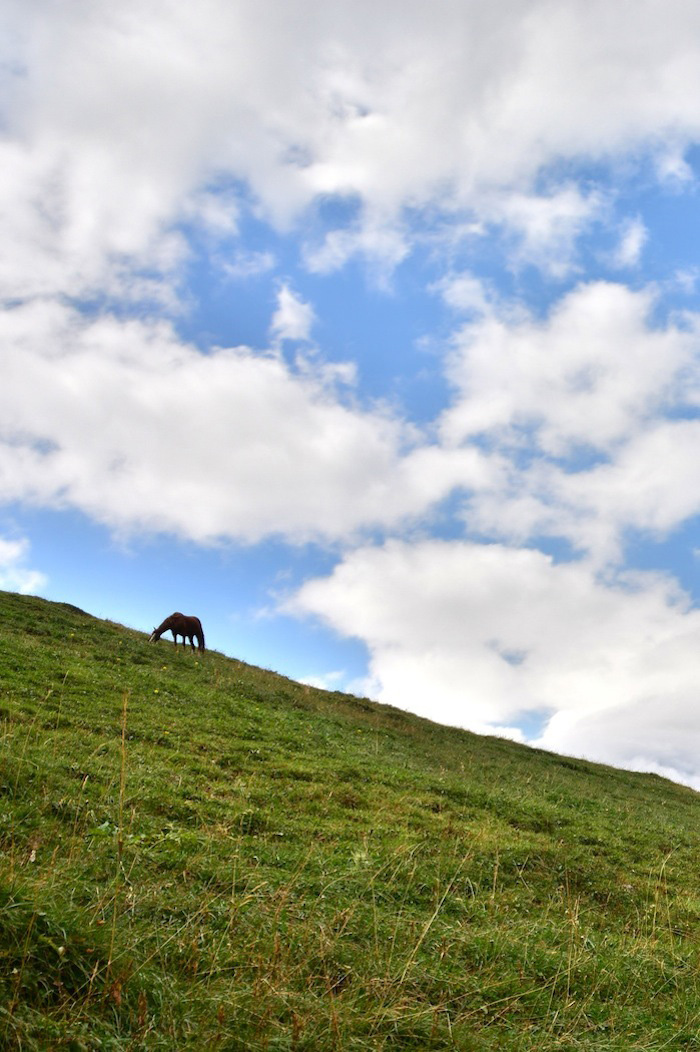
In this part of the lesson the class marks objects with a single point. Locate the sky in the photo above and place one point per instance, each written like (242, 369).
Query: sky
(369, 334)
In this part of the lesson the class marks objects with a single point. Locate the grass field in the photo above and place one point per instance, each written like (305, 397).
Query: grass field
(200, 854)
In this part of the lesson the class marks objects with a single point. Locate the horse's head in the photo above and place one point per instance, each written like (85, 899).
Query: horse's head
(154, 636)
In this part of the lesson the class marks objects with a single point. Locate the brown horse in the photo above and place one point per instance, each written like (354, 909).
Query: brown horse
(180, 625)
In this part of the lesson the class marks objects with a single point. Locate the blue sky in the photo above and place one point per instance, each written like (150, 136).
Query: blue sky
(372, 337)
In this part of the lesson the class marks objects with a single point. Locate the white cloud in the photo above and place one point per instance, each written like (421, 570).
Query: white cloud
(333, 680)
(241, 445)
(293, 318)
(632, 241)
(672, 168)
(245, 265)
(580, 406)
(216, 211)
(140, 431)
(118, 122)
(466, 293)
(546, 226)
(479, 635)
(656, 730)
(590, 374)
(15, 575)
(381, 244)
(651, 486)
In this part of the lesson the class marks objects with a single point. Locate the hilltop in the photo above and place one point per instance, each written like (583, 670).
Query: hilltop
(197, 854)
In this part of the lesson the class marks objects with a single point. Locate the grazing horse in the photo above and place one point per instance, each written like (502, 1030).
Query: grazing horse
(180, 625)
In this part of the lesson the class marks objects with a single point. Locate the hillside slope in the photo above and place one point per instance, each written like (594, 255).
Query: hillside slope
(200, 854)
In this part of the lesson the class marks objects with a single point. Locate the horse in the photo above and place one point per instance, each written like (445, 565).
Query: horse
(181, 625)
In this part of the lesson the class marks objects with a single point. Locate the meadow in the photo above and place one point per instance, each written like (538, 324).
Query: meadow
(200, 854)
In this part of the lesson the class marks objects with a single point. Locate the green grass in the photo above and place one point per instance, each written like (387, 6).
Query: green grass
(200, 854)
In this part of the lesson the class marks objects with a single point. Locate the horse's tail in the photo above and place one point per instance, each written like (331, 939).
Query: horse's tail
(201, 637)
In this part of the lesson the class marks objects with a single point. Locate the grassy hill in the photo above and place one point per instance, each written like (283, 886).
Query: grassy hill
(199, 854)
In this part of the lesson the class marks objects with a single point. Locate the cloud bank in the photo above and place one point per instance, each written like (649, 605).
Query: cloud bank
(119, 126)
(142, 432)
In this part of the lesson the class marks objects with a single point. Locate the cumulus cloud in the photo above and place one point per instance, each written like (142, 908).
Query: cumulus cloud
(545, 226)
(246, 265)
(564, 426)
(590, 374)
(480, 635)
(120, 123)
(382, 245)
(15, 574)
(465, 293)
(293, 318)
(139, 431)
(584, 408)
(654, 730)
(650, 486)
(633, 238)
